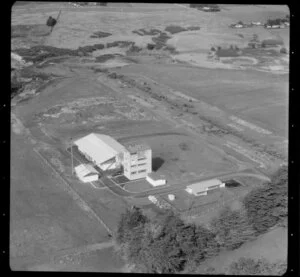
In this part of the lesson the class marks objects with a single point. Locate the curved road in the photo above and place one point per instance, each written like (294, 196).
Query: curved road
(175, 187)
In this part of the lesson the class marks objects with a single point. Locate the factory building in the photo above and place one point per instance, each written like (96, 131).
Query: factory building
(202, 188)
(107, 153)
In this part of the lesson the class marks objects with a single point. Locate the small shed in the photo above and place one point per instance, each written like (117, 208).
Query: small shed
(156, 179)
(171, 197)
(272, 42)
(86, 173)
(201, 188)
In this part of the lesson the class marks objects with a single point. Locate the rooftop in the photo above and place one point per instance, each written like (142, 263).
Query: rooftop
(137, 147)
(200, 186)
(100, 147)
(85, 170)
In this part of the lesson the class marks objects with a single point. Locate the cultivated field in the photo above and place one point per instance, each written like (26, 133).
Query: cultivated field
(96, 72)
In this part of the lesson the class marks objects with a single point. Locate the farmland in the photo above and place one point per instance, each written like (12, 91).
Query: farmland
(97, 73)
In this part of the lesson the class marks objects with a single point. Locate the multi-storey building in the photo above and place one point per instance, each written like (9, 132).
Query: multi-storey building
(137, 161)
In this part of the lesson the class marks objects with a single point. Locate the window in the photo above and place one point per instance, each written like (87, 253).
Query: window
(141, 159)
(214, 187)
(133, 172)
(140, 171)
(142, 164)
(134, 166)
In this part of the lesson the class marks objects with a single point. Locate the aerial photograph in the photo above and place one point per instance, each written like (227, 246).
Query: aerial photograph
(149, 138)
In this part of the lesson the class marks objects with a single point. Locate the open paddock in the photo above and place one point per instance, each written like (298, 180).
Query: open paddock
(239, 92)
(182, 158)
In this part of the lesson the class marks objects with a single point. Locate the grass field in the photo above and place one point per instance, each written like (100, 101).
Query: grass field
(40, 211)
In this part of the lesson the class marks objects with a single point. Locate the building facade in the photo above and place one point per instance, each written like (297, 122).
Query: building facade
(137, 161)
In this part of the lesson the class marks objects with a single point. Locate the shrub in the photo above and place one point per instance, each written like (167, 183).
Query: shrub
(165, 244)
(174, 29)
(283, 50)
(266, 206)
(150, 46)
(100, 34)
(105, 57)
(232, 229)
(248, 266)
(193, 28)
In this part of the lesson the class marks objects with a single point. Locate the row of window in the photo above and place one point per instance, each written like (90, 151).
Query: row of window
(135, 165)
(141, 159)
(140, 171)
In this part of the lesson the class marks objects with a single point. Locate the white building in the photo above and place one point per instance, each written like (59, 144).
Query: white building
(137, 161)
(201, 188)
(102, 150)
(171, 197)
(155, 179)
(107, 153)
(257, 23)
(86, 173)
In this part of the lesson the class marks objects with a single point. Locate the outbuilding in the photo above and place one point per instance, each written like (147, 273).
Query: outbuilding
(155, 179)
(86, 173)
(201, 188)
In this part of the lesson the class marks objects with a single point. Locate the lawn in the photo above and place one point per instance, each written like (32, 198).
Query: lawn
(138, 185)
(43, 217)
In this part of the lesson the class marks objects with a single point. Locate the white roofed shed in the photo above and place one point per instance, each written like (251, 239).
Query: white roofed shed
(99, 148)
(86, 173)
(201, 188)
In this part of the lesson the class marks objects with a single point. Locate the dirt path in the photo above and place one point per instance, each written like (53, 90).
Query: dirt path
(83, 249)
(63, 254)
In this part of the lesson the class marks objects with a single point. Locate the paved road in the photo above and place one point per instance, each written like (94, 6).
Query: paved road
(115, 188)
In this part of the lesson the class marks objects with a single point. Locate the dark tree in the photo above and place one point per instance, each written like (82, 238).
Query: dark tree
(266, 206)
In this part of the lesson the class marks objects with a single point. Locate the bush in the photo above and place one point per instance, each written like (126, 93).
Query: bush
(161, 40)
(100, 34)
(248, 266)
(267, 206)
(143, 32)
(193, 28)
(165, 244)
(283, 50)
(174, 29)
(150, 46)
(232, 229)
(105, 57)
(119, 43)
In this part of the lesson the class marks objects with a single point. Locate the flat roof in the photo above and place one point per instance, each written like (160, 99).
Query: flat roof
(131, 147)
(197, 187)
(100, 147)
(85, 170)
